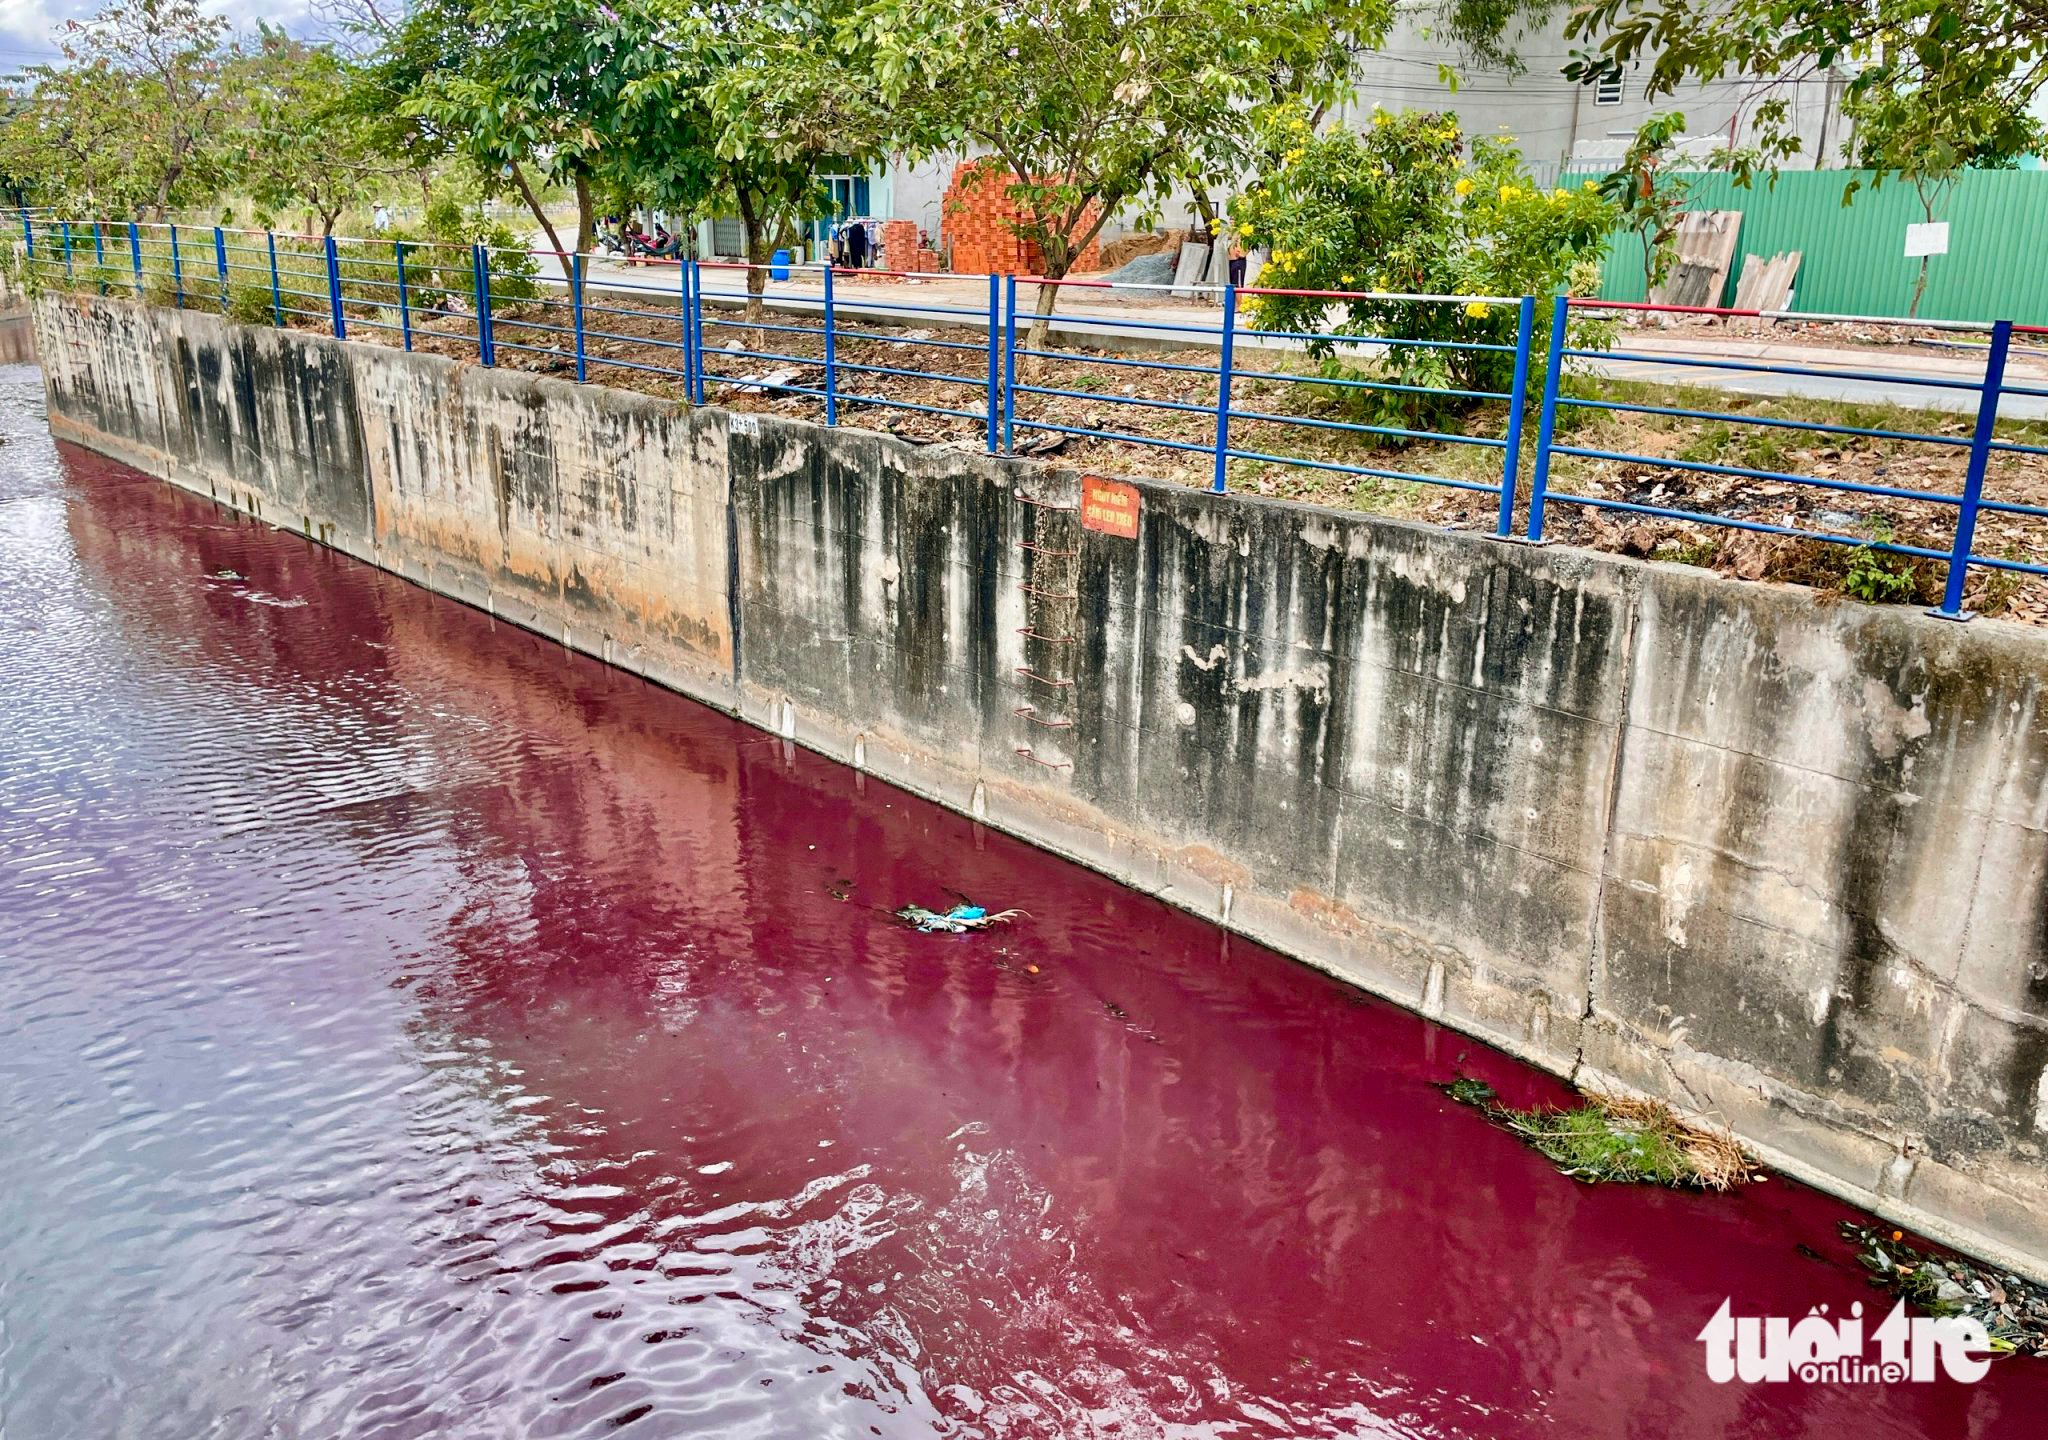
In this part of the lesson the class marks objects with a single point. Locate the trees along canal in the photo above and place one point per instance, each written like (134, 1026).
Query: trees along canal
(1093, 110)
(136, 119)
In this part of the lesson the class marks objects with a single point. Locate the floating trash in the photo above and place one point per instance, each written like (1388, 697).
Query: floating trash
(2013, 1311)
(957, 921)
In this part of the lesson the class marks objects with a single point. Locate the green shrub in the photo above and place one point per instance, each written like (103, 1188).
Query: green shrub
(159, 288)
(1404, 208)
(1879, 577)
(250, 304)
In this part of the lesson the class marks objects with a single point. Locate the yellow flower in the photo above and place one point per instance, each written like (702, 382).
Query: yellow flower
(1589, 187)
(1463, 187)
(1561, 194)
(1347, 279)
(1380, 117)
(1476, 310)
(1294, 154)
(1509, 192)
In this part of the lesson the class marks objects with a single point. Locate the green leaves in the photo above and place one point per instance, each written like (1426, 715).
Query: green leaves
(1116, 102)
(1405, 207)
(135, 118)
(1969, 74)
(1648, 198)
(300, 140)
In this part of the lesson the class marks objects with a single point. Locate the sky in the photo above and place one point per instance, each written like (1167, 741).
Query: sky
(27, 26)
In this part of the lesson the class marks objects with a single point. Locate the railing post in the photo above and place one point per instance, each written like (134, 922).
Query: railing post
(99, 257)
(1951, 607)
(177, 270)
(28, 233)
(995, 330)
(334, 289)
(276, 297)
(1009, 362)
(1511, 462)
(480, 267)
(64, 227)
(687, 279)
(831, 353)
(697, 325)
(1223, 368)
(220, 260)
(683, 265)
(135, 255)
(1546, 422)
(576, 309)
(404, 307)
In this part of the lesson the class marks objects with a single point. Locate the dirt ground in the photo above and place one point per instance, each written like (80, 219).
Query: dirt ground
(1100, 389)
(2027, 350)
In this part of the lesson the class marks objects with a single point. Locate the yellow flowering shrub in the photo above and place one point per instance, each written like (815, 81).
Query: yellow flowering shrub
(1409, 205)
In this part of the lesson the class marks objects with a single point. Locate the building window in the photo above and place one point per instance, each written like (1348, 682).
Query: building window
(1607, 90)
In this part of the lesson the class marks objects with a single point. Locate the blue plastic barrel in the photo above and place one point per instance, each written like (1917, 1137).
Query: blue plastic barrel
(778, 265)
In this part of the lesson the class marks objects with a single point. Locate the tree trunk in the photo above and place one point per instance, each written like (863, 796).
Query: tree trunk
(1927, 198)
(757, 255)
(162, 208)
(533, 204)
(1061, 251)
(586, 219)
(1041, 322)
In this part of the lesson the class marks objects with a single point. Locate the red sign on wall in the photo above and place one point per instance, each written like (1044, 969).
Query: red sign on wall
(1109, 506)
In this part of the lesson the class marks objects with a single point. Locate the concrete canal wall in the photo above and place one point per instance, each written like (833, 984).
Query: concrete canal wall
(1780, 862)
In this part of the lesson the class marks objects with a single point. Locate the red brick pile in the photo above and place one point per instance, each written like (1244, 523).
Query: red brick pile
(904, 248)
(976, 215)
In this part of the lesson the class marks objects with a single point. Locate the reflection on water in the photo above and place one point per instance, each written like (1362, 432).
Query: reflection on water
(411, 1028)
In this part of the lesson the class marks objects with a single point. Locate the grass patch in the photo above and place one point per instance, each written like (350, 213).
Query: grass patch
(1618, 1139)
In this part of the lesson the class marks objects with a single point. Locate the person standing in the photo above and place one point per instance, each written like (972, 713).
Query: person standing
(857, 246)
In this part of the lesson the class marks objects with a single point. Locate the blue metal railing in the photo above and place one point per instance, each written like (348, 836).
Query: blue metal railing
(1982, 393)
(983, 366)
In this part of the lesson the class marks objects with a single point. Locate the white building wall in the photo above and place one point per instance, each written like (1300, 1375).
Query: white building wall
(1562, 125)
(919, 191)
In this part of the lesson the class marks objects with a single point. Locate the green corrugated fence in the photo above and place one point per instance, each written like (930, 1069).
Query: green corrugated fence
(1855, 264)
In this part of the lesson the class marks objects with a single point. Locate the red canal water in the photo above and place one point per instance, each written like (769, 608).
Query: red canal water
(411, 1028)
